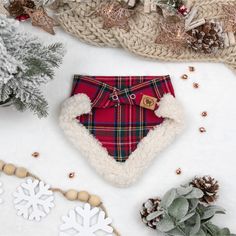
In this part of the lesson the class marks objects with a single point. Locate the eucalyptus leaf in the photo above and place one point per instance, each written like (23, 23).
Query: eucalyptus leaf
(188, 216)
(183, 190)
(154, 215)
(211, 228)
(165, 225)
(224, 232)
(200, 233)
(175, 232)
(168, 198)
(179, 208)
(208, 214)
(217, 209)
(196, 227)
(193, 204)
(211, 211)
(195, 193)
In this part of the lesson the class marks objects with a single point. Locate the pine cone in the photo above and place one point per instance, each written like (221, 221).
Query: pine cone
(16, 8)
(207, 38)
(150, 206)
(209, 186)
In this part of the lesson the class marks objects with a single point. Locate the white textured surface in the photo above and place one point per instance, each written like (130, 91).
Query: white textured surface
(196, 154)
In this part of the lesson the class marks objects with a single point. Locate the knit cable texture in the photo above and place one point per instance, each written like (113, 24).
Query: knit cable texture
(79, 18)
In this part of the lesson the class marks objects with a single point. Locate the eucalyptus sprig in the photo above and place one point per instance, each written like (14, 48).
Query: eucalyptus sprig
(182, 213)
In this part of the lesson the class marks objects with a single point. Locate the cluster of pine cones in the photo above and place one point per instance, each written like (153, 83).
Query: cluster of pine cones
(207, 184)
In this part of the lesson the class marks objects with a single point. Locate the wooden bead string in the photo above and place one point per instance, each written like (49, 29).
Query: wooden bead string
(71, 194)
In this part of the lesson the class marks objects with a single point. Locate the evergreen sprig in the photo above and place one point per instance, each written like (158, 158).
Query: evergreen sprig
(25, 64)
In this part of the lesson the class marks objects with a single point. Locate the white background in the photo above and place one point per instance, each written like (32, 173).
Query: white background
(212, 153)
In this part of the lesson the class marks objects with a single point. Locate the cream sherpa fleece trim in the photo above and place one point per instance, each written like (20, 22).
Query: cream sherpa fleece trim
(120, 174)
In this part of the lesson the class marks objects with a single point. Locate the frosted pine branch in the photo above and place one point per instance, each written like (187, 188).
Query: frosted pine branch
(25, 65)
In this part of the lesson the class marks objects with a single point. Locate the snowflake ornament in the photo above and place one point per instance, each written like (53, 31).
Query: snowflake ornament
(86, 221)
(1, 191)
(33, 199)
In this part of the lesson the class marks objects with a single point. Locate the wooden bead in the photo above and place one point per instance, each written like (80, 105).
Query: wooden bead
(178, 171)
(83, 196)
(2, 163)
(9, 169)
(71, 194)
(196, 85)
(21, 172)
(35, 154)
(94, 200)
(184, 76)
(191, 68)
(202, 130)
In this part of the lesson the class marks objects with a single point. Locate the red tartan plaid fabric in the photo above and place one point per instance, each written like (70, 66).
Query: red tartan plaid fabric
(117, 120)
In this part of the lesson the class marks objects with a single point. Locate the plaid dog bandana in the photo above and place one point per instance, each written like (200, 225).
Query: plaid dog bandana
(120, 124)
(122, 109)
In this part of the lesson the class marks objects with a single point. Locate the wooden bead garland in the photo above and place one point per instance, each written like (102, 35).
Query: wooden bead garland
(71, 195)
(94, 201)
(2, 163)
(9, 169)
(83, 196)
(21, 172)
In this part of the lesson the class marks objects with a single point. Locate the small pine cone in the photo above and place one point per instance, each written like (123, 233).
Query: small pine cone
(207, 38)
(209, 186)
(16, 8)
(151, 205)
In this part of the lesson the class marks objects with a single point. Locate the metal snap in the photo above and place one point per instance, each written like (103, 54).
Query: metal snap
(132, 96)
(115, 97)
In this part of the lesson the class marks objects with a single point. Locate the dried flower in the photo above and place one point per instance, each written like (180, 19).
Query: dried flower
(115, 14)
(173, 35)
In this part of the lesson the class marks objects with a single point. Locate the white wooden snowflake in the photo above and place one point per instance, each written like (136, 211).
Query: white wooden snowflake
(33, 199)
(1, 191)
(86, 221)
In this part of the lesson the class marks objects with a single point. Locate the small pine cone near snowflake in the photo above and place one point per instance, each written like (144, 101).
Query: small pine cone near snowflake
(207, 38)
(149, 207)
(209, 186)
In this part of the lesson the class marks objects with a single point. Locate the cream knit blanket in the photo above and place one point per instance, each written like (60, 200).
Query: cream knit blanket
(78, 18)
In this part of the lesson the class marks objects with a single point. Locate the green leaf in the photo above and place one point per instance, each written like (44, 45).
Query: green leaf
(196, 227)
(175, 232)
(188, 216)
(165, 225)
(195, 193)
(183, 190)
(211, 211)
(168, 198)
(179, 208)
(193, 204)
(211, 228)
(200, 233)
(154, 215)
(224, 232)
